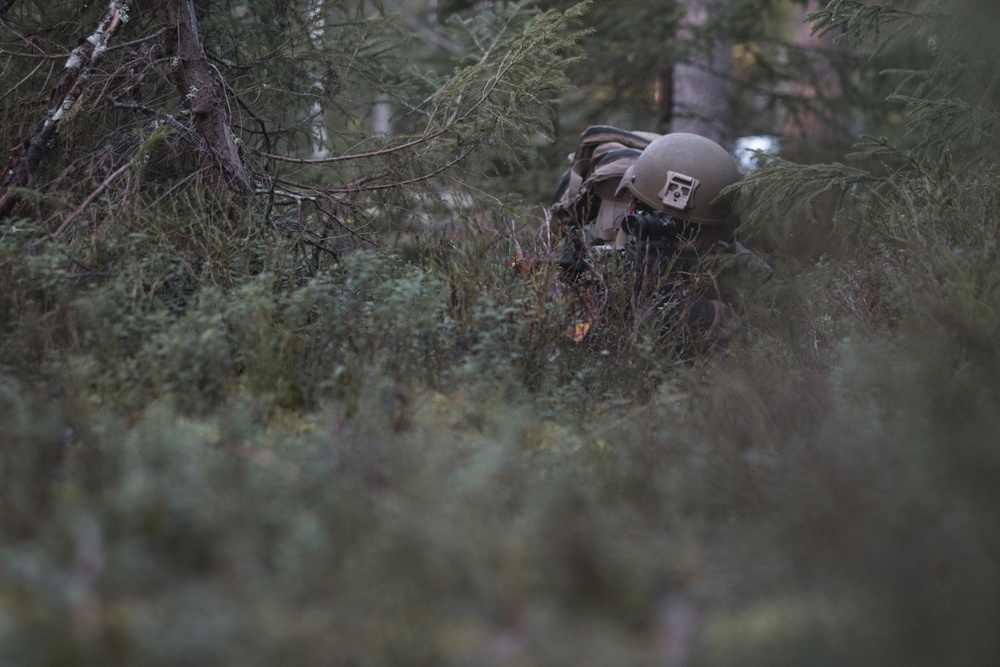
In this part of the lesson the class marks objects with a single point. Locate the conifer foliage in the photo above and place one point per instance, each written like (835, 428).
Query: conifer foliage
(266, 102)
(234, 432)
(924, 186)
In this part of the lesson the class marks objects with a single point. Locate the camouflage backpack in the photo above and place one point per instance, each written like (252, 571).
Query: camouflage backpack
(584, 206)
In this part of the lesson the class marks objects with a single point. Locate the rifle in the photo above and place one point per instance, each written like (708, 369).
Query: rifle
(661, 236)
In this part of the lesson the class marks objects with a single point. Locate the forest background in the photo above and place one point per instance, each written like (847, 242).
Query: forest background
(271, 393)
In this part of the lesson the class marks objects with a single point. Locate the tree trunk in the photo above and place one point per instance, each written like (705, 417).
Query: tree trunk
(196, 81)
(664, 97)
(818, 127)
(701, 84)
(194, 77)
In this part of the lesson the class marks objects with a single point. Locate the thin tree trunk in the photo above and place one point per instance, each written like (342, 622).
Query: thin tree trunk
(701, 84)
(817, 125)
(664, 100)
(71, 82)
(196, 81)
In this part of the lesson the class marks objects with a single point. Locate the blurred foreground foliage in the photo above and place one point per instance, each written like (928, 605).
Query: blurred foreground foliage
(245, 485)
(217, 449)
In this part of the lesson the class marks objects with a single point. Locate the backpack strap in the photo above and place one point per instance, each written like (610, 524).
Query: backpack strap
(601, 134)
(610, 160)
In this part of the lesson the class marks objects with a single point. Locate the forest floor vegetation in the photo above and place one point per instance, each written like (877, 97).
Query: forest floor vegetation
(296, 407)
(220, 459)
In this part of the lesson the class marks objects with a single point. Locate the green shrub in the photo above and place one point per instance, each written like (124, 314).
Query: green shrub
(218, 447)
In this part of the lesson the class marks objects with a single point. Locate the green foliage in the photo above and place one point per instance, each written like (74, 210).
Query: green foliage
(299, 82)
(224, 441)
(798, 511)
(858, 20)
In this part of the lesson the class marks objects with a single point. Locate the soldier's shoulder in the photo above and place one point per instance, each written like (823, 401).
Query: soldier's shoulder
(735, 258)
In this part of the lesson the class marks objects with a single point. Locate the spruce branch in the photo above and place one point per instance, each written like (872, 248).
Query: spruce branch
(771, 195)
(858, 20)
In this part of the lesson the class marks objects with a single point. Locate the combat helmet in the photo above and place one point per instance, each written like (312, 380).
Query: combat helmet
(680, 174)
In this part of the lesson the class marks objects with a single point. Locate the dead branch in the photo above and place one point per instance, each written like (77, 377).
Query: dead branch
(90, 198)
(17, 85)
(354, 187)
(72, 80)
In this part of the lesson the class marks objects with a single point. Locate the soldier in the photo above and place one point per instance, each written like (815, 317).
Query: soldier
(663, 213)
(682, 233)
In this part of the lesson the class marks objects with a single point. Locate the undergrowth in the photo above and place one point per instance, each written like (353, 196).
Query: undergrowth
(223, 444)
(385, 461)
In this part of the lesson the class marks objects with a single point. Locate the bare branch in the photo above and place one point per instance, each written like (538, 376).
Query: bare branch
(35, 56)
(315, 199)
(90, 198)
(72, 81)
(423, 138)
(389, 150)
(142, 40)
(397, 184)
(26, 77)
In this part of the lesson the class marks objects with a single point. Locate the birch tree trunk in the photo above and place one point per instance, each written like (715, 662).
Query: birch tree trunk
(196, 81)
(71, 83)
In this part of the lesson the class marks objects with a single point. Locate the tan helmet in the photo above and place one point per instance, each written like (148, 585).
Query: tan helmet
(680, 174)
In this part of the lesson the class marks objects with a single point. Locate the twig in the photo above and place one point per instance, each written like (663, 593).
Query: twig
(345, 227)
(18, 84)
(197, 173)
(35, 56)
(147, 38)
(90, 198)
(409, 181)
(314, 199)
(389, 150)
